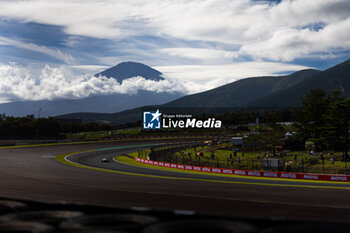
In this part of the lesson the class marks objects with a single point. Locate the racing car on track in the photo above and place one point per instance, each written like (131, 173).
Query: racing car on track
(105, 160)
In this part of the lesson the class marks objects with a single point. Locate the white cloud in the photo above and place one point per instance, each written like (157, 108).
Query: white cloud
(263, 30)
(205, 55)
(22, 83)
(288, 44)
(52, 52)
(95, 68)
(212, 35)
(103, 19)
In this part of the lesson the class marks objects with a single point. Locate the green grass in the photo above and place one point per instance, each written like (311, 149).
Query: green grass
(129, 131)
(219, 152)
(89, 135)
(250, 160)
(135, 154)
(131, 161)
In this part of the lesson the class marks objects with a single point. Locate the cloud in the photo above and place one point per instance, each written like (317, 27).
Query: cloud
(103, 19)
(205, 55)
(261, 29)
(22, 83)
(288, 44)
(90, 67)
(52, 52)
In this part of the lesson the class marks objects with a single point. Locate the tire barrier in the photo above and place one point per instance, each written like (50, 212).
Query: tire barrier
(201, 225)
(8, 207)
(40, 217)
(307, 228)
(53, 217)
(118, 222)
(25, 227)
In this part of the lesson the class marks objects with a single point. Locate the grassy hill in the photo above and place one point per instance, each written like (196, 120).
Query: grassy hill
(334, 78)
(243, 92)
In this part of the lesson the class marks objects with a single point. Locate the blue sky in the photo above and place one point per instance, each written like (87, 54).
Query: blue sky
(197, 45)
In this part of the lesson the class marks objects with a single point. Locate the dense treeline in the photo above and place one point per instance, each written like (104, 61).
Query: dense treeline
(324, 120)
(323, 123)
(30, 128)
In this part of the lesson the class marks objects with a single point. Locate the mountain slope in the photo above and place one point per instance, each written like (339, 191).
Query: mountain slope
(334, 78)
(256, 93)
(236, 94)
(99, 104)
(243, 92)
(123, 117)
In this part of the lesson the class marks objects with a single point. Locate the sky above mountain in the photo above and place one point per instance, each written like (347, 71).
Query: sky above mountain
(51, 49)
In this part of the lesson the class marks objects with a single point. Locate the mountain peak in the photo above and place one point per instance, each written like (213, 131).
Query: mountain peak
(131, 69)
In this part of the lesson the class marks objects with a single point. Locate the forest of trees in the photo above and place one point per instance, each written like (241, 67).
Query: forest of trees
(38, 128)
(324, 120)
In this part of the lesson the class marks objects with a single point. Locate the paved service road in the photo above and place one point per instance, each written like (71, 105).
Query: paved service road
(33, 173)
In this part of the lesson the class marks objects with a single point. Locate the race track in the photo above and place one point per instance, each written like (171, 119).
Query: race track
(33, 173)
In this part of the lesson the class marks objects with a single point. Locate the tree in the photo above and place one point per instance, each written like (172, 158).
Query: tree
(313, 117)
(340, 119)
(269, 139)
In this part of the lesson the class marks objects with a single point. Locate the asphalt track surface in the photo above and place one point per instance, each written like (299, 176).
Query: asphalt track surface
(33, 173)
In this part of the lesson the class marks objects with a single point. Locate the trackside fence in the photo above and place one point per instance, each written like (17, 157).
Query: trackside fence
(175, 153)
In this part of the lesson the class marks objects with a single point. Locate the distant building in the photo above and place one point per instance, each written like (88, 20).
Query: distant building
(289, 134)
(284, 123)
(237, 141)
